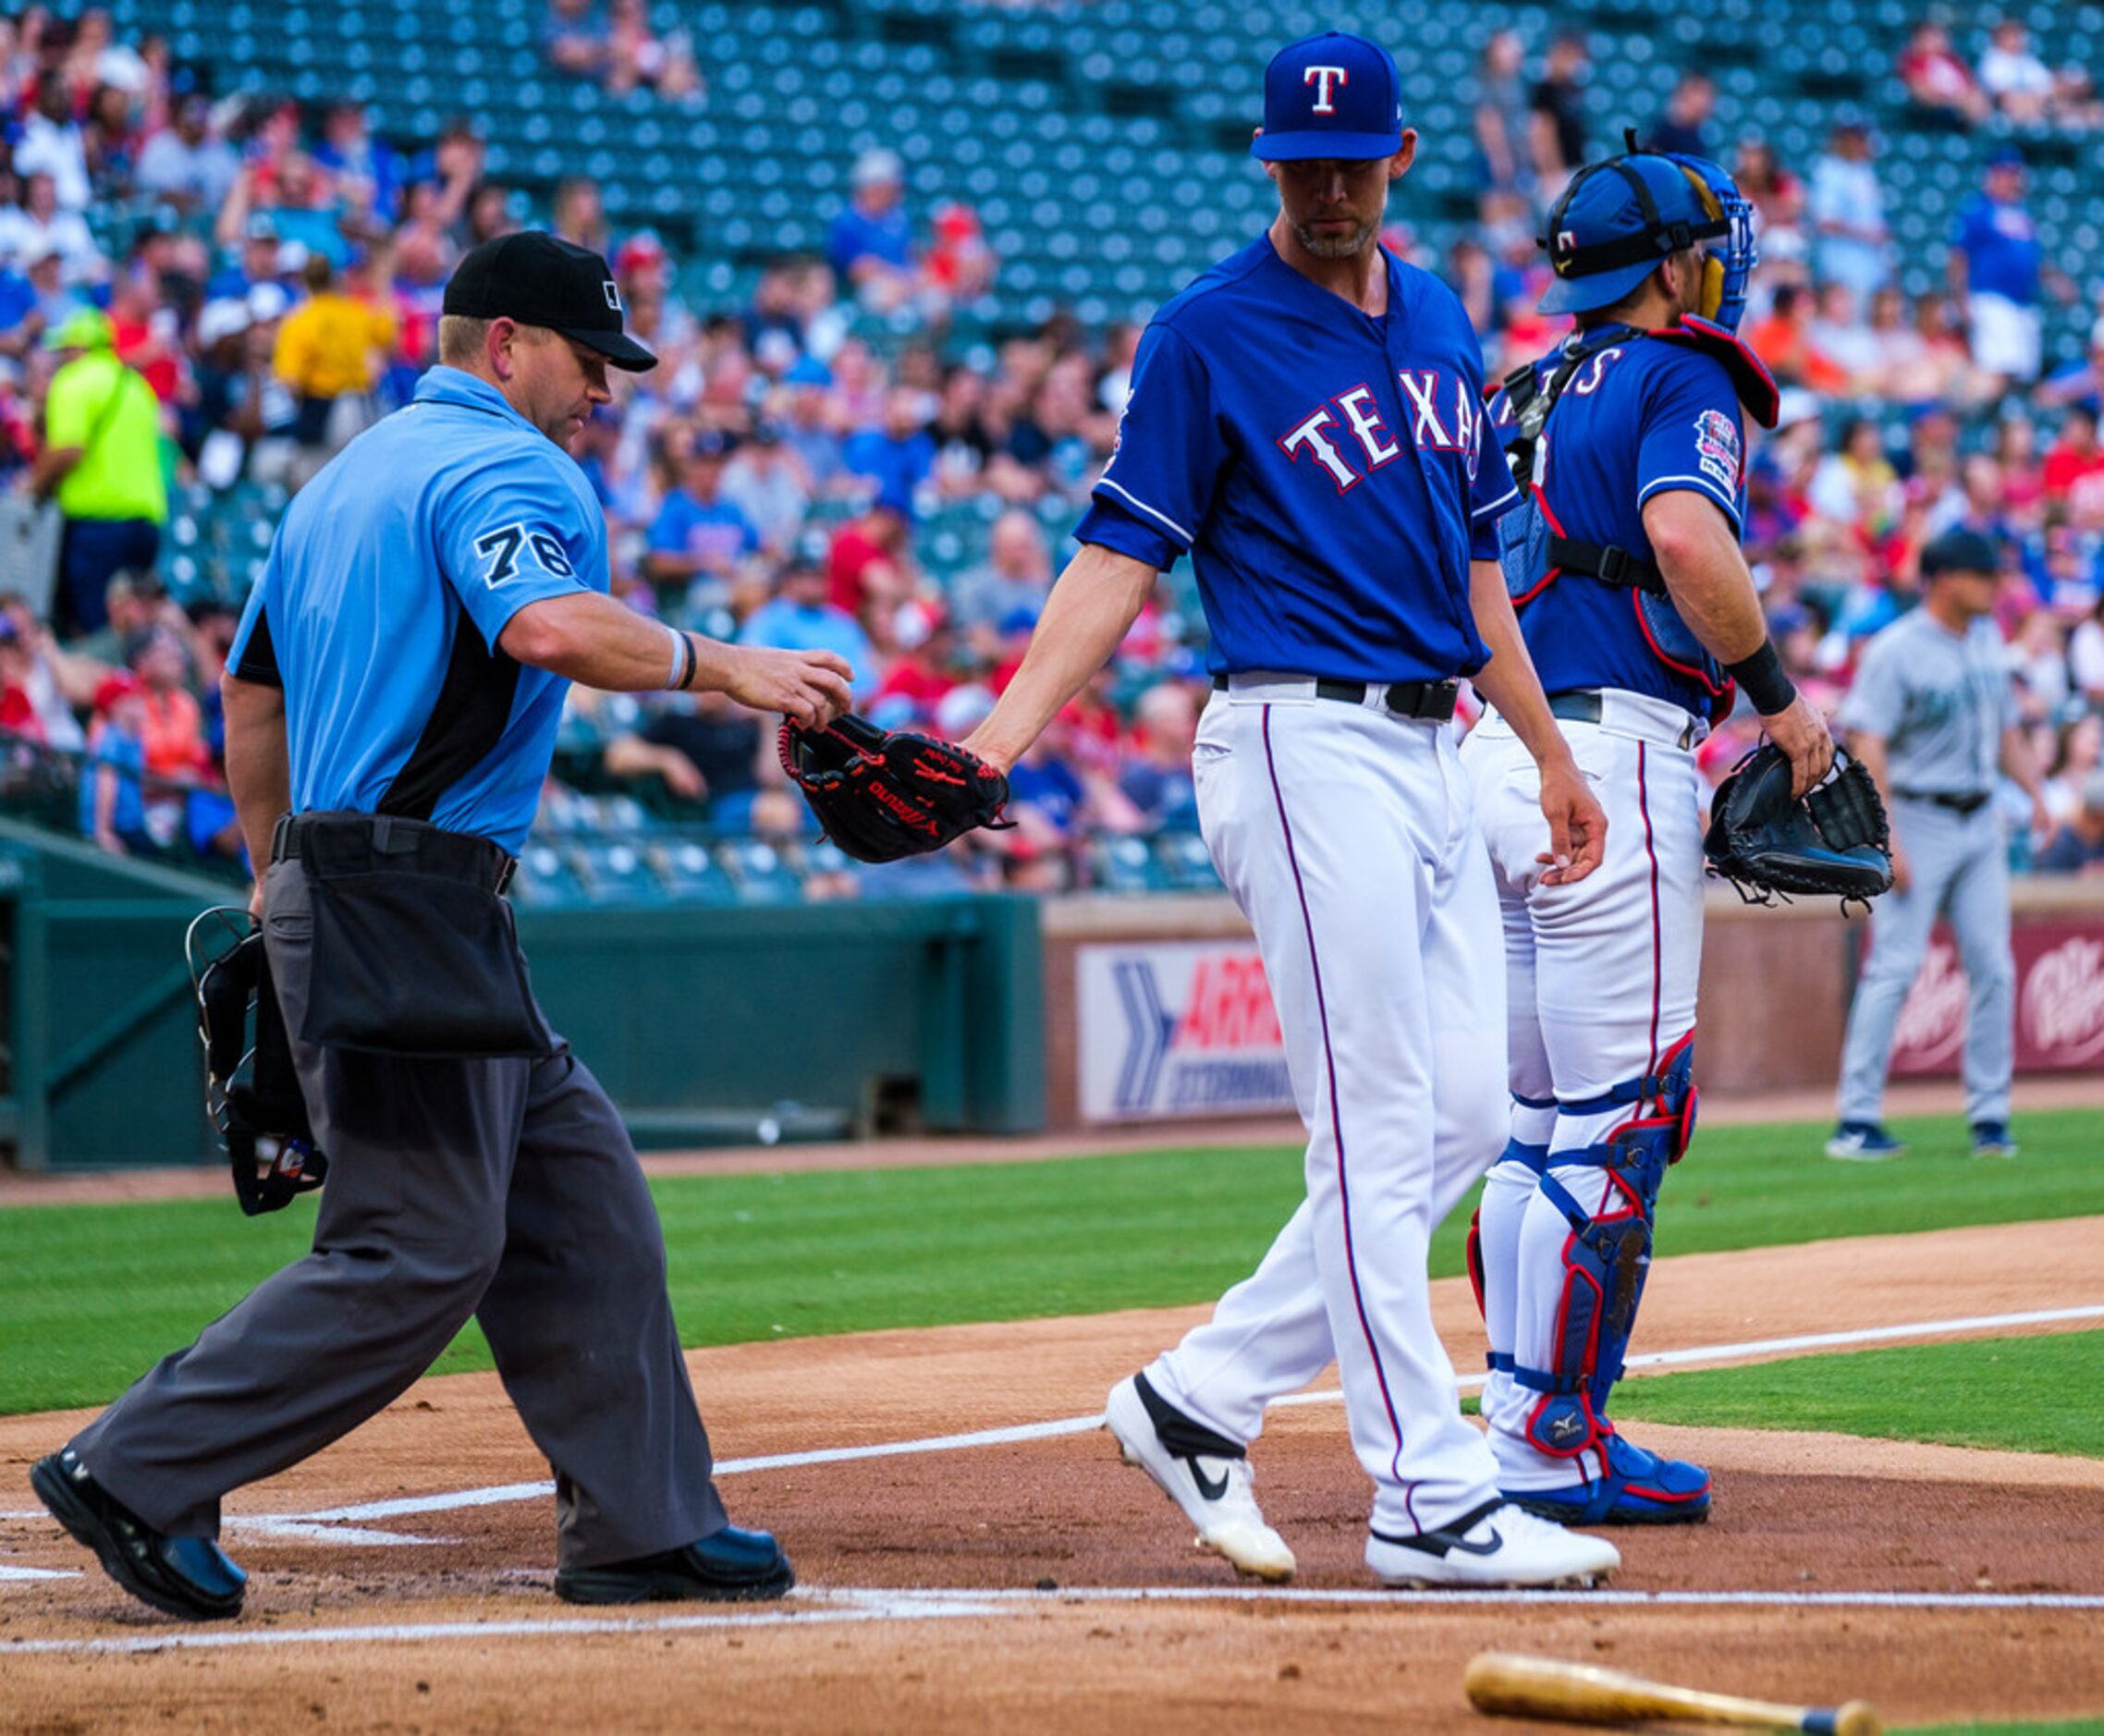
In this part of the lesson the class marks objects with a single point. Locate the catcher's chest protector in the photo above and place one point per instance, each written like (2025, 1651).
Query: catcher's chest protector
(1533, 551)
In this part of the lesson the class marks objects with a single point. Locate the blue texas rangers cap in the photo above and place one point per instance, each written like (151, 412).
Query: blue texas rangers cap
(1609, 233)
(1331, 95)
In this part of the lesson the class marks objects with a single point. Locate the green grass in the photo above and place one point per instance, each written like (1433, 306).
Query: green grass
(90, 1295)
(2055, 1726)
(2021, 1395)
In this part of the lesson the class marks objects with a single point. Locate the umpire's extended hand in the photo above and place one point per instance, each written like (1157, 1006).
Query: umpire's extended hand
(807, 687)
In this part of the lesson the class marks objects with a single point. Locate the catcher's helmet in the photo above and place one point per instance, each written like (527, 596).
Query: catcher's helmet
(1621, 218)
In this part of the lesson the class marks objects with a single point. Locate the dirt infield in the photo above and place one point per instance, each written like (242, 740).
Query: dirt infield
(922, 1608)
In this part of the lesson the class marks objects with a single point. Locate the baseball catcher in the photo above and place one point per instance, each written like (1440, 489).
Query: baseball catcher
(1627, 442)
(1769, 844)
(882, 794)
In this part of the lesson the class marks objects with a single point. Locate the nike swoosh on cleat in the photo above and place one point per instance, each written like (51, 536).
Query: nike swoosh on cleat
(1440, 1542)
(1212, 1488)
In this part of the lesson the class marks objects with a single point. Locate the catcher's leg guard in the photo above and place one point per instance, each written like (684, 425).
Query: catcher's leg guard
(1607, 1257)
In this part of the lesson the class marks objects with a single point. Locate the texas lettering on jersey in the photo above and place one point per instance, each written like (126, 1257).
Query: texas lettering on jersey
(1348, 431)
(1584, 383)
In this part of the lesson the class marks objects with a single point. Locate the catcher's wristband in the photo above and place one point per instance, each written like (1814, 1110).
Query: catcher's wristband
(1763, 679)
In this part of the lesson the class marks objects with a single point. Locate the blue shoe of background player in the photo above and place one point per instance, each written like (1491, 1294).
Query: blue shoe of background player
(1640, 1489)
(1864, 1143)
(1991, 1139)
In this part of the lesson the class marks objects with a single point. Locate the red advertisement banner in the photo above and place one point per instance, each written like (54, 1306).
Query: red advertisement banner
(2060, 1002)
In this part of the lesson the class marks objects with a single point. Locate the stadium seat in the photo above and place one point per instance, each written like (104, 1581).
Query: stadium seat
(1126, 864)
(689, 872)
(1185, 863)
(617, 872)
(545, 879)
(759, 872)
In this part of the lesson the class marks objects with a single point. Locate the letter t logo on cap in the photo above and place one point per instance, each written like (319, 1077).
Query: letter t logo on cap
(1322, 78)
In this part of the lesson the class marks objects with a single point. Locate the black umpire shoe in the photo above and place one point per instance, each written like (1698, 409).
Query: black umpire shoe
(727, 1566)
(189, 1577)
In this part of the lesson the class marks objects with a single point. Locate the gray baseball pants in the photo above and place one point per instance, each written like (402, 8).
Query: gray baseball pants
(1960, 868)
(502, 1190)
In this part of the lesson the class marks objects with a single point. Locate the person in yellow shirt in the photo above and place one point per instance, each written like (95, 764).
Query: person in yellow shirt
(328, 352)
(102, 463)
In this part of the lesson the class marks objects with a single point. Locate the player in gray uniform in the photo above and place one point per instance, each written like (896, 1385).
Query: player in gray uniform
(1931, 716)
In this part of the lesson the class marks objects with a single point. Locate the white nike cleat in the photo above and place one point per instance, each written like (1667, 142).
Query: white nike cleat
(1215, 1494)
(1497, 1543)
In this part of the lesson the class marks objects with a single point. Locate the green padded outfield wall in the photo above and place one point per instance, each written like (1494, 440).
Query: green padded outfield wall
(706, 1025)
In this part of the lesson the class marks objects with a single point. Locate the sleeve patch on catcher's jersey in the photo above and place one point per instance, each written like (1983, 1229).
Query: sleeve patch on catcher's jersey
(1717, 449)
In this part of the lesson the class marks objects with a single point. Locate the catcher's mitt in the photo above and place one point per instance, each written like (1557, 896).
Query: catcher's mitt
(882, 794)
(1768, 843)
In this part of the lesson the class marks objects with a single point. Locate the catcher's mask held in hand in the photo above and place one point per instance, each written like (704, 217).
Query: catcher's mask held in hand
(1621, 218)
(251, 1093)
(1768, 844)
(882, 794)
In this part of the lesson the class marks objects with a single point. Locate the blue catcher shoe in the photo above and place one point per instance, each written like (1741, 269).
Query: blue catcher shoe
(1640, 1489)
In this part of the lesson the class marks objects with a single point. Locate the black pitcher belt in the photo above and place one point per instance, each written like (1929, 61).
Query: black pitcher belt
(1432, 699)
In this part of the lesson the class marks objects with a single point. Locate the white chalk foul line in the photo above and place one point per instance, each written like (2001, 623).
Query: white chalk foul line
(340, 1524)
(1692, 1599)
(880, 1609)
(317, 1530)
(33, 1572)
(409, 1505)
(814, 1607)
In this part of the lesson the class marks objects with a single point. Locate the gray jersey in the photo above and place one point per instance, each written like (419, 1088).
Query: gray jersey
(1940, 701)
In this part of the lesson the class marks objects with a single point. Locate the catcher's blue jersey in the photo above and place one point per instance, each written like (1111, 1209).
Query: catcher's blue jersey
(1638, 419)
(1329, 474)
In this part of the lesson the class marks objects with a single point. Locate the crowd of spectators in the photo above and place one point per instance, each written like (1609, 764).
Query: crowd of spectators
(215, 294)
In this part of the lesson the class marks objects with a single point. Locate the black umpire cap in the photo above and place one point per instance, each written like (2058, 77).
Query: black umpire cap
(540, 279)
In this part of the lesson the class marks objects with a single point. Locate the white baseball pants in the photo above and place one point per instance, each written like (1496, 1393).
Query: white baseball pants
(1601, 976)
(1347, 837)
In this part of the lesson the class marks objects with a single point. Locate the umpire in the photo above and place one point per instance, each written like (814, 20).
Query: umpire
(392, 701)
(1932, 717)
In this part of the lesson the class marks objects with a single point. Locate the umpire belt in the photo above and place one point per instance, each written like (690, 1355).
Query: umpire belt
(403, 842)
(1963, 805)
(1431, 701)
(1623, 713)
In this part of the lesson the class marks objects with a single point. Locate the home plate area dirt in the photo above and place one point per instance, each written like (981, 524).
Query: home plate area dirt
(1036, 1584)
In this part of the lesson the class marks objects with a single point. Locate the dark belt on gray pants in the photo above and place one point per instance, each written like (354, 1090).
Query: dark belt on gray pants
(432, 849)
(1433, 700)
(1971, 803)
(1582, 705)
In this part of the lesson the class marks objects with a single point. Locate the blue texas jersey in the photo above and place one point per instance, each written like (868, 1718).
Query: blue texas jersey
(1639, 418)
(1330, 474)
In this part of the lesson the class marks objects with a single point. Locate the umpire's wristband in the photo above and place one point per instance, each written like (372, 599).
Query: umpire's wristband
(1762, 678)
(682, 675)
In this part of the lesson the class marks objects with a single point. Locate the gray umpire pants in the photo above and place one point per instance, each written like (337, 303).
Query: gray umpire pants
(1960, 868)
(504, 1190)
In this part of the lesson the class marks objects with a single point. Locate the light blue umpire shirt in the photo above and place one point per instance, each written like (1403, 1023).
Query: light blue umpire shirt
(391, 575)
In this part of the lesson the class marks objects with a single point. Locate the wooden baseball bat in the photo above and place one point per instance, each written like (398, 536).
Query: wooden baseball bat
(1514, 1686)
